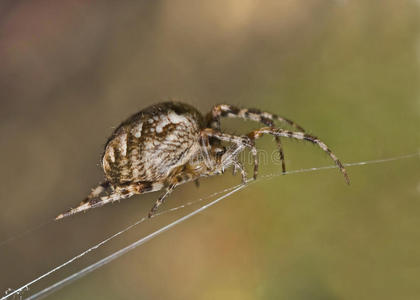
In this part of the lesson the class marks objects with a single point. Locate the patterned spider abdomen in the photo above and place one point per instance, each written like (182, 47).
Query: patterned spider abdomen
(150, 144)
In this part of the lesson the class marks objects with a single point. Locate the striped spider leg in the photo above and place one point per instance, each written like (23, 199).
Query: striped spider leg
(299, 136)
(230, 111)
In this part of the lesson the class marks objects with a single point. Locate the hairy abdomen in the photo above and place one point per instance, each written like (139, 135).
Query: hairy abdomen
(151, 143)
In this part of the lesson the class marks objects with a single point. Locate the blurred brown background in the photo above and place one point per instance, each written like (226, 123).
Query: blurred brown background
(347, 70)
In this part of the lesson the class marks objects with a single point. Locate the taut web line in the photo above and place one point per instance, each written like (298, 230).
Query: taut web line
(228, 191)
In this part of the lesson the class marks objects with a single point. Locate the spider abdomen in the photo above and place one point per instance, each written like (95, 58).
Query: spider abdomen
(151, 143)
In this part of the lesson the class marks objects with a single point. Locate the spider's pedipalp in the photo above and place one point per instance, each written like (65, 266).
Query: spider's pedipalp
(300, 136)
(240, 141)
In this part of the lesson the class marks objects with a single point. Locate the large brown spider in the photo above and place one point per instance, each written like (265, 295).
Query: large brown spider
(171, 143)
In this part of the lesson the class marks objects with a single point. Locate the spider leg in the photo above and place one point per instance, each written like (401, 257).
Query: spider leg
(205, 149)
(238, 165)
(93, 194)
(300, 136)
(97, 191)
(230, 111)
(234, 170)
(120, 192)
(283, 162)
(161, 199)
(240, 141)
(255, 155)
(172, 183)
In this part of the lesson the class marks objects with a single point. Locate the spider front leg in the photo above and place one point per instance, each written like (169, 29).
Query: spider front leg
(230, 111)
(300, 136)
(238, 165)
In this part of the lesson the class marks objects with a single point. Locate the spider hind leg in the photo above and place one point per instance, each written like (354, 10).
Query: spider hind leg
(87, 201)
(119, 192)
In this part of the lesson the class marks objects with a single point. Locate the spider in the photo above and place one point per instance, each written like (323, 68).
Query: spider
(171, 143)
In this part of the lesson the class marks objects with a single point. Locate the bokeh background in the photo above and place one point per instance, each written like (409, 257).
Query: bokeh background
(348, 70)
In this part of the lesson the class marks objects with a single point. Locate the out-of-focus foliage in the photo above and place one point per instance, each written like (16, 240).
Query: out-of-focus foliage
(348, 71)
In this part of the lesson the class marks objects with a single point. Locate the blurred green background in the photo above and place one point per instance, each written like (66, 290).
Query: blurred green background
(348, 71)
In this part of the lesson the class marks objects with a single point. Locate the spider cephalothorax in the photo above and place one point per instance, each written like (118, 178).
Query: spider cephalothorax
(171, 143)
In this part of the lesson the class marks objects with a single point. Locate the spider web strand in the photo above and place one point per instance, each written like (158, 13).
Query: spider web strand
(128, 248)
(228, 191)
